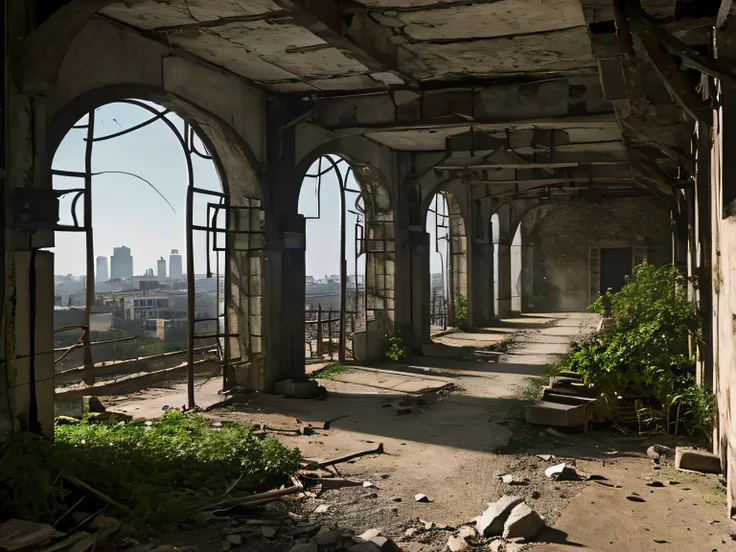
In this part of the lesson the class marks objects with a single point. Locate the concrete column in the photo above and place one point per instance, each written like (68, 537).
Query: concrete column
(420, 288)
(504, 261)
(480, 302)
(704, 264)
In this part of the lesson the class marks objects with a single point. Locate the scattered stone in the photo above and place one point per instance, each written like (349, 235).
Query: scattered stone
(368, 484)
(421, 498)
(467, 532)
(427, 524)
(508, 479)
(328, 539)
(370, 534)
(522, 522)
(234, 539)
(633, 498)
(655, 484)
(307, 530)
(16, 534)
(397, 499)
(386, 545)
(456, 544)
(322, 509)
(409, 533)
(305, 547)
(226, 545)
(697, 460)
(491, 522)
(297, 517)
(545, 457)
(269, 531)
(496, 546)
(362, 547)
(660, 452)
(562, 472)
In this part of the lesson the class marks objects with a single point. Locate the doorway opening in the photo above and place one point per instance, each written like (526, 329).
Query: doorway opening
(333, 206)
(438, 227)
(616, 267)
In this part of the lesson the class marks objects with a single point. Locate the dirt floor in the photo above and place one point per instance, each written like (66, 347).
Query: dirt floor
(450, 427)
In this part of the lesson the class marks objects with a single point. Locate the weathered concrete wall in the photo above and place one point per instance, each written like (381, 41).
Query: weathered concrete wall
(557, 241)
(723, 255)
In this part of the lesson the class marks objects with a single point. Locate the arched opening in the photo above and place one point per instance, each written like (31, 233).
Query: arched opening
(495, 237)
(139, 184)
(438, 227)
(332, 203)
(516, 271)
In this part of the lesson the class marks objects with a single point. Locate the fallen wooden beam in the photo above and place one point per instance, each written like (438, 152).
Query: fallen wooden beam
(348, 457)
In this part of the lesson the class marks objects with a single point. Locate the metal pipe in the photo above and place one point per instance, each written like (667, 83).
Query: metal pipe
(343, 269)
(89, 378)
(190, 292)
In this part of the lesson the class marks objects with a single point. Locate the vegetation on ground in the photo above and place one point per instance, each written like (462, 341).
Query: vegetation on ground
(330, 371)
(397, 349)
(462, 321)
(642, 359)
(163, 470)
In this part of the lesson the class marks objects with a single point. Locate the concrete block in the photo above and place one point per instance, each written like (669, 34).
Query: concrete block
(522, 522)
(551, 395)
(697, 460)
(491, 522)
(308, 389)
(558, 415)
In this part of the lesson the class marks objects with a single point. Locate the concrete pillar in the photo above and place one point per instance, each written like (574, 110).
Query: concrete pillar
(480, 286)
(420, 288)
(504, 261)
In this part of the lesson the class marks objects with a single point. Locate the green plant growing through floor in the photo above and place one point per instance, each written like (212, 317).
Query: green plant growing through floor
(163, 470)
(461, 313)
(331, 370)
(644, 355)
(397, 349)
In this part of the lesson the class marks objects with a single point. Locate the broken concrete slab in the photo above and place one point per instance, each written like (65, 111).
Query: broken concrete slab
(386, 545)
(522, 522)
(697, 460)
(557, 414)
(16, 534)
(491, 522)
(562, 472)
(456, 544)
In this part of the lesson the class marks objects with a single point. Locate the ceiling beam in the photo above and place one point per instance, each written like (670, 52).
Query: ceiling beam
(545, 160)
(325, 19)
(555, 181)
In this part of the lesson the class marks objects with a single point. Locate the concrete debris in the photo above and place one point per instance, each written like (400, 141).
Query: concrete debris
(327, 539)
(496, 546)
(16, 534)
(226, 545)
(409, 533)
(562, 472)
(368, 484)
(467, 532)
(305, 547)
(522, 522)
(386, 545)
(508, 479)
(428, 525)
(456, 544)
(491, 522)
(697, 460)
(322, 509)
(545, 457)
(660, 452)
(370, 534)
(234, 539)
(269, 531)
(421, 498)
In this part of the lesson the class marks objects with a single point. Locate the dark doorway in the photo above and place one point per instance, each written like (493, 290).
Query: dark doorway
(616, 265)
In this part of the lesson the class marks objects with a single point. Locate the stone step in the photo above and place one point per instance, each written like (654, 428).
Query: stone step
(558, 414)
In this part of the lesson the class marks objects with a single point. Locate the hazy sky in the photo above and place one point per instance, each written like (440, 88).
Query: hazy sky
(127, 211)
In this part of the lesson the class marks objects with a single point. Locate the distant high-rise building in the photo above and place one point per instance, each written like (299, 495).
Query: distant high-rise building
(121, 263)
(161, 268)
(102, 275)
(175, 267)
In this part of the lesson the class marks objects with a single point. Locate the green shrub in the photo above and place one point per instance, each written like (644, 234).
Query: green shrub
(461, 313)
(644, 355)
(397, 349)
(162, 470)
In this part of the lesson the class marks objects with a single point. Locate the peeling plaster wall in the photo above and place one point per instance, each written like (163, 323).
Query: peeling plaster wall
(557, 241)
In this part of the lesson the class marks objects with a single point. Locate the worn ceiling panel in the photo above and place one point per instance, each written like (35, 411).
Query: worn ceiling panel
(502, 18)
(290, 47)
(415, 140)
(566, 51)
(352, 82)
(229, 55)
(151, 14)
(397, 4)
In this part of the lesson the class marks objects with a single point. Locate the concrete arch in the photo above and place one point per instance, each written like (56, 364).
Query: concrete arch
(234, 160)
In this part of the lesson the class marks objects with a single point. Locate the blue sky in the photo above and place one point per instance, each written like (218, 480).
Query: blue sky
(127, 211)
